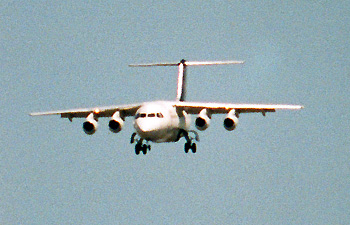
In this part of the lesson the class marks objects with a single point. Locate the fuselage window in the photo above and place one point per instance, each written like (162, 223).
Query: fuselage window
(159, 115)
(151, 115)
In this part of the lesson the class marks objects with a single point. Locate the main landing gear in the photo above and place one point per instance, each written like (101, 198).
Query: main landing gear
(189, 145)
(192, 146)
(139, 147)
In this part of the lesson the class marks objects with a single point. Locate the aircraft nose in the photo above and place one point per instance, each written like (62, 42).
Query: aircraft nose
(145, 126)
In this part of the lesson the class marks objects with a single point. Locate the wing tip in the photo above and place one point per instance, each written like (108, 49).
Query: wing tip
(43, 114)
(34, 114)
(297, 107)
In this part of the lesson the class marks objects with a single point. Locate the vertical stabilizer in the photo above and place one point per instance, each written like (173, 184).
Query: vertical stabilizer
(181, 82)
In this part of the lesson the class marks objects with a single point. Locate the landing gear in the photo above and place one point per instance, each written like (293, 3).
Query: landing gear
(192, 146)
(142, 148)
(139, 147)
(189, 145)
(132, 139)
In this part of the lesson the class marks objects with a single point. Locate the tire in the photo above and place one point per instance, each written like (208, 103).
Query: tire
(187, 146)
(144, 149)
(194, 148)
(137, 149)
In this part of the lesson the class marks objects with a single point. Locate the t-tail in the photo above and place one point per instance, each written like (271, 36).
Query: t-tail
(181, 79)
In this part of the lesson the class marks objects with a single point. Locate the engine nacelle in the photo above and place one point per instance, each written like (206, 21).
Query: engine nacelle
(90, 125)
(231, 120)
(116, 123)
(202, 122)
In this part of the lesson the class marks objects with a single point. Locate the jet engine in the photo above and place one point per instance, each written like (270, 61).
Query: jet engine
(116, 123)
(90, 125)
(202, 122)
(231, 120)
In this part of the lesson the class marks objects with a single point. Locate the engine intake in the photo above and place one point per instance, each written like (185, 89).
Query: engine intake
(202, 122)
(116, 123)
(231, 120)
(90, 125)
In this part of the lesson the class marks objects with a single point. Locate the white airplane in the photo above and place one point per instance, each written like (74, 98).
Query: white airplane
(167, 121)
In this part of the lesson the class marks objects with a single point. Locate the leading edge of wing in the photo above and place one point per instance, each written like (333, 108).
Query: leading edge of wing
(104, 111)
(217, 108)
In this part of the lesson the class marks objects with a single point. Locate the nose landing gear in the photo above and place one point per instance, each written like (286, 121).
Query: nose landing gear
(139, 147)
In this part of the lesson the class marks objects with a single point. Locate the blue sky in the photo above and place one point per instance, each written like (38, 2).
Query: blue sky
(286, 168)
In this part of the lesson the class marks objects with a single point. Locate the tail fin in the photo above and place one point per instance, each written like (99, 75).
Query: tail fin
(181, 79)
(181, 82)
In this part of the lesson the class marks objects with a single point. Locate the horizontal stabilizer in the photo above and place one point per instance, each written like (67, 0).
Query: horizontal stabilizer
(188, 63)
(154, 64)
(212, 63)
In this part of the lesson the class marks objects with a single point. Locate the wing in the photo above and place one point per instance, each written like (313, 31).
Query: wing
(222, 108)
(105, 111)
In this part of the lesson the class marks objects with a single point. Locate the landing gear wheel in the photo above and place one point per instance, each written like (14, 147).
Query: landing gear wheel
(137, 149)
(194, 147)
(187, 146)
(144, 149)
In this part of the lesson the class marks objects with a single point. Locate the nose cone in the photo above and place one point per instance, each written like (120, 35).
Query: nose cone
(145, 127)
(151, 130)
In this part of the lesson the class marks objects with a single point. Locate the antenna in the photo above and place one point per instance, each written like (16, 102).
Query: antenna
(181, 79)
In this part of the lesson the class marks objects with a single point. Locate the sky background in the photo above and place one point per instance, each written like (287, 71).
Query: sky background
(290, 167)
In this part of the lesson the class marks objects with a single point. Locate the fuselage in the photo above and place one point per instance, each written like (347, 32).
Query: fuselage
(160, 122)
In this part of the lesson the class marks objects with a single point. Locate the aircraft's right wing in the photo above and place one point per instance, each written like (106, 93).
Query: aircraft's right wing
(105, 111)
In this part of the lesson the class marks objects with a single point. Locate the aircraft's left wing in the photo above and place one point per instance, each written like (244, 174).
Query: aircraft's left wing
(222, 108)
(105, 111)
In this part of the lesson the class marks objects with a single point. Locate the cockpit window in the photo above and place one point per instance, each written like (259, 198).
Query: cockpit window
(144, 115)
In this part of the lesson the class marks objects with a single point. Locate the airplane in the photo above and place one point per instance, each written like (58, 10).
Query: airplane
(167, 121)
